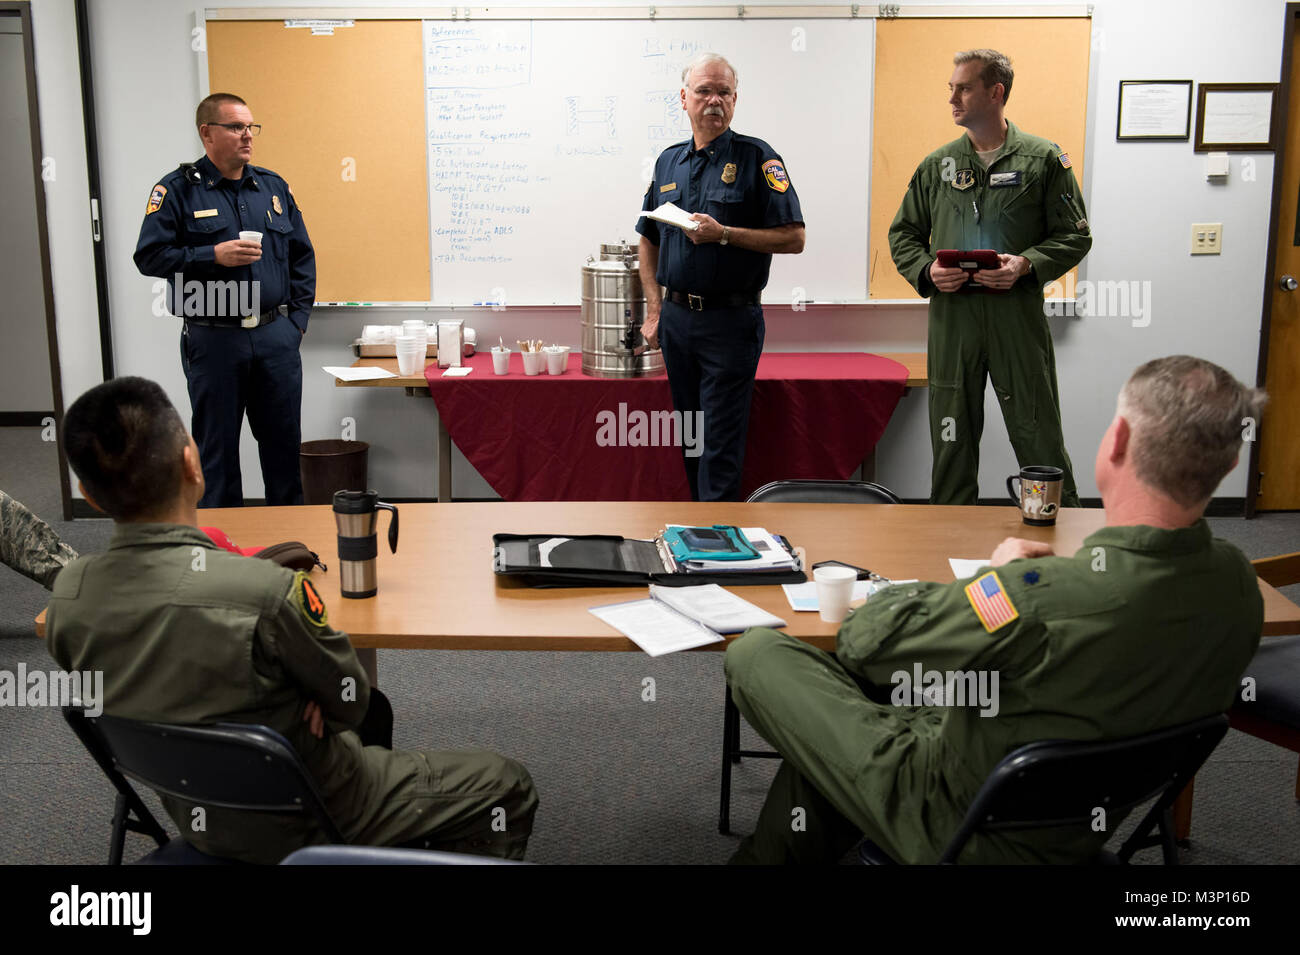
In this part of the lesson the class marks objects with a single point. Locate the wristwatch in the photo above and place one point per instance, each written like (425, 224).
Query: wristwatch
(726, 235)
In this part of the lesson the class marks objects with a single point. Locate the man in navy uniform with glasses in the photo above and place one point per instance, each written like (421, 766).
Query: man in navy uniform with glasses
(245, 300)
(707, 317)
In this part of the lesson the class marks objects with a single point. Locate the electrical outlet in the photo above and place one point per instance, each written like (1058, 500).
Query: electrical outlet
(1207, 238)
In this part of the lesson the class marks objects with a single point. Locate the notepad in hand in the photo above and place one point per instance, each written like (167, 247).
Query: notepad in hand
(673, 215)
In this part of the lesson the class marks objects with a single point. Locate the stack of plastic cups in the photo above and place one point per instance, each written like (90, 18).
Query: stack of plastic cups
(411, 351)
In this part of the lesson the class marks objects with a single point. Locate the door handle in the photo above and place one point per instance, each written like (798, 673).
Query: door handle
(1287, 283)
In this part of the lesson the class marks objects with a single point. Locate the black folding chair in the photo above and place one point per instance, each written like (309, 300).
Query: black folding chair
(386, 855)
(1063, 783)
(224, 765)
(789, 492)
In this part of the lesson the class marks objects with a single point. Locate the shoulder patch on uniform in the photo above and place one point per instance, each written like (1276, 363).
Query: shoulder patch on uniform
(988, 598)
(308, 600)
(156, 199)
(774, 173)
(963, 179)
(1065, 159)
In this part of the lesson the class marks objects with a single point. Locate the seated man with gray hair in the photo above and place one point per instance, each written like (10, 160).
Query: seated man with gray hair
(1150, 624)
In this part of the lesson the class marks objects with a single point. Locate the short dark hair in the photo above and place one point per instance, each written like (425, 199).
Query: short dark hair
(124, 440)
(1187, 417)
(210, 107)
(995, 68)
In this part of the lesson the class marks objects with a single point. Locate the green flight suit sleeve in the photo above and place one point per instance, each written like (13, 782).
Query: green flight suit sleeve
(909, 235)
(1066, 242)
(315, 655)
(934, 625)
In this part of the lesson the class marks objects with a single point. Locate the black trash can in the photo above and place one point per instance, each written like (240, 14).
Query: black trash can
(330, 465)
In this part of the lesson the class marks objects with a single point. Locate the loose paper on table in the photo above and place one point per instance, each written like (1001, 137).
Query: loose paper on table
(344, 373)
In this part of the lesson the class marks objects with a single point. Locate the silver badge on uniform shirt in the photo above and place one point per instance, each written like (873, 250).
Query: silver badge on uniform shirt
(963, 179)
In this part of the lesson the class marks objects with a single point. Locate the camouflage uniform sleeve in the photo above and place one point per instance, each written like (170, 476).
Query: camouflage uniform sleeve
(29, 545)
(935, 625)
(909, 235)
(318, 657)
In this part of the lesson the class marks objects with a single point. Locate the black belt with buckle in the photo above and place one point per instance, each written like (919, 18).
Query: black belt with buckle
(266, 318)
(701, 303)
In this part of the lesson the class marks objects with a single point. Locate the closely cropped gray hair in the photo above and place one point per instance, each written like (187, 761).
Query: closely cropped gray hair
(996, 69)
(1187, 416)
(704, 59)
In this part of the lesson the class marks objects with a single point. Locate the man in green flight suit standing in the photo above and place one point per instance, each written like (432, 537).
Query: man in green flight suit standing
(993, 188)
(187, 633)
(1150, 624)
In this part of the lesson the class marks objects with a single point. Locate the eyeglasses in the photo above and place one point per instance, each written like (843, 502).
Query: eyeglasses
(238, 128)
(706, 92)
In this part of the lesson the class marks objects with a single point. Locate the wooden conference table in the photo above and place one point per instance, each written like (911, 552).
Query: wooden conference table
(438, 592)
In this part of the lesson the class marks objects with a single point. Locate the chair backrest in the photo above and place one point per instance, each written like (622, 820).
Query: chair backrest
(1062, 782)
(226, 765)
(824, 492)
(385, 855)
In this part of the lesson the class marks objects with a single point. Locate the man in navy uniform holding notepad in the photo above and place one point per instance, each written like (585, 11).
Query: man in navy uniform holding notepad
(993, 188)
(245, 301)
(702, 286)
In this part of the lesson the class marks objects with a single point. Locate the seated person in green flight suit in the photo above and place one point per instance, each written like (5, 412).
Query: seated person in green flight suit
(1150, 624)
(187, 633)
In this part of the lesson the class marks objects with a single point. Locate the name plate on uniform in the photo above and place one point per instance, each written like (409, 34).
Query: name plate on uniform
(1004, 179)
(204, 213)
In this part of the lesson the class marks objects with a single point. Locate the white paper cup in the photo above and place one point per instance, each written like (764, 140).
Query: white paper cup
(500, 360)
(532, 362)
(251, 237)
(834, 591)
(556, 361)
(410, 354)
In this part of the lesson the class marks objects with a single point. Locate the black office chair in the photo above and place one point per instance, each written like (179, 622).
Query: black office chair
(385, 855)
(824, 492)
(225, 765)
(1062, 783)
(804, 491)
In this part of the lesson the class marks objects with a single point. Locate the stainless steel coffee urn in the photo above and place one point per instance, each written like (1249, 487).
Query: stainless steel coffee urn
(613, 308)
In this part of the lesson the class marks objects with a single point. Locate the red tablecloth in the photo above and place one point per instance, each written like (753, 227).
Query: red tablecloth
(540, 438)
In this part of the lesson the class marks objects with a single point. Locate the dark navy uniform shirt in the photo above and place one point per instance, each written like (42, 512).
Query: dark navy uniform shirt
(738, 180)
(195, 208)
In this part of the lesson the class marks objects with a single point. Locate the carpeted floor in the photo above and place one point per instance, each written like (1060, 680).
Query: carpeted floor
(621, 780)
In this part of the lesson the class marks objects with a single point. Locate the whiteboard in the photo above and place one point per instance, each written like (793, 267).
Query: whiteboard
(543, 136)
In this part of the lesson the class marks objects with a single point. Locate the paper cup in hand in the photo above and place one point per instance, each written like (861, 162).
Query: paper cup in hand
(410, 354)
(834, 591)
(250, 237)
(500, 360)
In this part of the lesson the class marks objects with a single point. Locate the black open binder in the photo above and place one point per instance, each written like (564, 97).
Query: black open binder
(599, 560)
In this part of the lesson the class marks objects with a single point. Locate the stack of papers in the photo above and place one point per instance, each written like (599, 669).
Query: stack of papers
(680, 618)
(347, 373)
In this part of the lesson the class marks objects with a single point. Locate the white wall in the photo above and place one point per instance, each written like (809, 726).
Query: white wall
(1142, 199)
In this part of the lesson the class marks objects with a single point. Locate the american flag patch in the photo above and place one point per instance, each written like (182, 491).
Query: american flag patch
(1065, 160)
(990, 601)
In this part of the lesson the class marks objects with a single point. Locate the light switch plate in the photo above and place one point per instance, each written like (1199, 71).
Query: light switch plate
(1207, 238)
